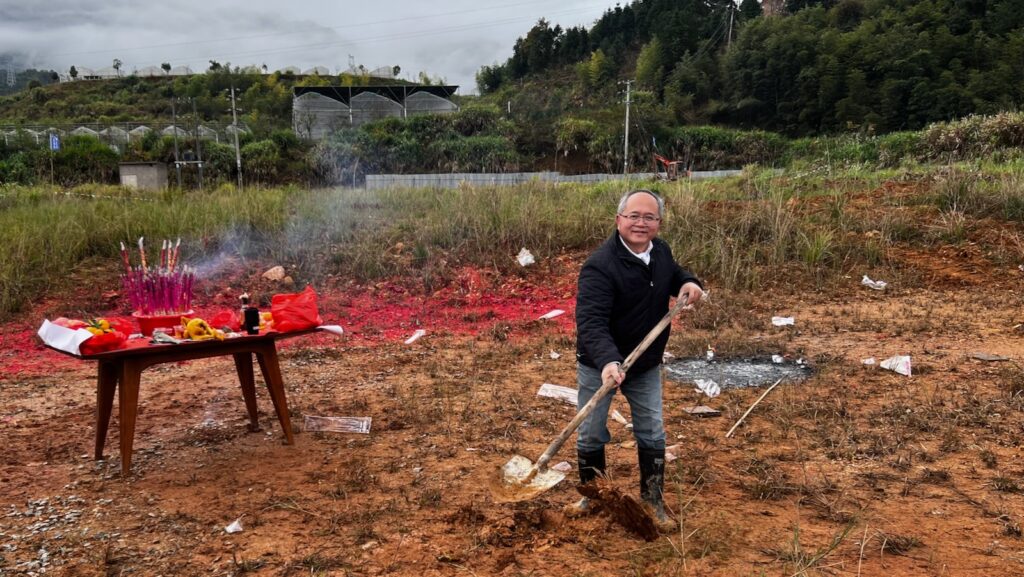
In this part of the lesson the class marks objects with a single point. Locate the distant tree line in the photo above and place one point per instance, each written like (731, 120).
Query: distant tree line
(822, 66)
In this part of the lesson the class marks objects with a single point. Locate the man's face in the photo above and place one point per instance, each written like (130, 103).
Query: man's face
(638, 233)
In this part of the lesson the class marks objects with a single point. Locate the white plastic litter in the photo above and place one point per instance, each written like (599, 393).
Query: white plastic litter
(555, 355)
(234, 527)
(899, 364)
(670, 453)
(878, 285)
(868, 361)
(338, 424)
(558, 392)
(551, 314)
(563, 467)
(783, 321)
(333, 329)
(710, 354)
(708, 387)
(777, 359)
(525, 258)
(419, 333)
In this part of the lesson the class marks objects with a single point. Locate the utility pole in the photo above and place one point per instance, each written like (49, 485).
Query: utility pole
(625, 151)
(174, 128)
(732, 10)
(199, 144)
(234, 122)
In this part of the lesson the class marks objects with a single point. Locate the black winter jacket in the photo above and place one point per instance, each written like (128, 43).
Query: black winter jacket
(620, 299)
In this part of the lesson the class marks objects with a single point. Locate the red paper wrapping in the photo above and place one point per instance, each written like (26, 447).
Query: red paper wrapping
(102, 343)
(295, 311)
(226, 318)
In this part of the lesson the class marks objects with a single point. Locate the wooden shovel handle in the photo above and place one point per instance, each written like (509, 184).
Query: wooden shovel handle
(555, 445)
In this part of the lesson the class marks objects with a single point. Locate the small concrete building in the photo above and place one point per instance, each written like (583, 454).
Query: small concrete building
(143, 175)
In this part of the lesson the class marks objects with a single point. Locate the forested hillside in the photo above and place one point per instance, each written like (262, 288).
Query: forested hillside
(816, 67)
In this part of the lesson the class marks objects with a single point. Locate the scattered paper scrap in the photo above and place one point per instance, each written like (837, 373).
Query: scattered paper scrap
(618, 418)
(777, 359)
(416, 335)
(878, 285)
(525, 258)
(670, 453)
(234, 527)
(333, 329)
(988, 357)
(707, 387)
(563, 467)
(868, 361)
(702, 411)
(898, 364)
(337, 424)
(551, 314)
(783, 321)
(559, 392)
(555, 355)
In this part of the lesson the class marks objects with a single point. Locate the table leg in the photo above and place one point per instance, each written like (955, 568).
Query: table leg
(128, 407)
(267, 357)
(106, 386)
(243, 364)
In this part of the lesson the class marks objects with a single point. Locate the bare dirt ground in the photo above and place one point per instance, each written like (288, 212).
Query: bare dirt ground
(856, 471)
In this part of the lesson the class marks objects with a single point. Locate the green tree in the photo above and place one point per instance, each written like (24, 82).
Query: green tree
(649, 68)
(749, 9)
(166, 67)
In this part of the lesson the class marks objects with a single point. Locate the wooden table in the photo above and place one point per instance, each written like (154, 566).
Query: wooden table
(124, 367)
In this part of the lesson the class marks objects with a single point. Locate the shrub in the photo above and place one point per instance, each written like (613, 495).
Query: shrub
(896, 147)
(260, 161)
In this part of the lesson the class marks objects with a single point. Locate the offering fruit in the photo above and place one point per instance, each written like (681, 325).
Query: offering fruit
(98, 326)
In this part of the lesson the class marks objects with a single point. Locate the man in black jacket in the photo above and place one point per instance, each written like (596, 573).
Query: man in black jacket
(624, 290)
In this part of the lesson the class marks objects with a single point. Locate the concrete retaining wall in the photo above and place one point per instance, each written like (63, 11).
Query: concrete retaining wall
(380, 181)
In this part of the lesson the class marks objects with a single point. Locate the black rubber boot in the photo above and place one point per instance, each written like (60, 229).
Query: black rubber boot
(652, 480)
(591, 465)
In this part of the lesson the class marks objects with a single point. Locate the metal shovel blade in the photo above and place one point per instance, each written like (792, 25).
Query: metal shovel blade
(513, 484)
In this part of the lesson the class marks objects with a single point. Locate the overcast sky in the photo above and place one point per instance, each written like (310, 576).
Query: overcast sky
(447, 38)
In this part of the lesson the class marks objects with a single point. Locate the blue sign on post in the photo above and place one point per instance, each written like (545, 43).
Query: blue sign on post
(54, 142)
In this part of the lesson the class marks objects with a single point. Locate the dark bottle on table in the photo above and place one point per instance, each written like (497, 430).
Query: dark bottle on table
(250, 316)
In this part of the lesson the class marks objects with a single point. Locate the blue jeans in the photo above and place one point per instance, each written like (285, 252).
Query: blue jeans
(642, 390)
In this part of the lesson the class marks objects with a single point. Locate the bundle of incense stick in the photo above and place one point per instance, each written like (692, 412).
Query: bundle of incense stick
(164, 290)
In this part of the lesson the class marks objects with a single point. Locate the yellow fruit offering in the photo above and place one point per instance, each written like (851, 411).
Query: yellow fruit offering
(98, 326)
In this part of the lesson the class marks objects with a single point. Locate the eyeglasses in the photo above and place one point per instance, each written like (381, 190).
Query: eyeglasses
(647, 218)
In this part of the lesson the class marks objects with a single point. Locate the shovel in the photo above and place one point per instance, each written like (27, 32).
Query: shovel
(520, 479)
